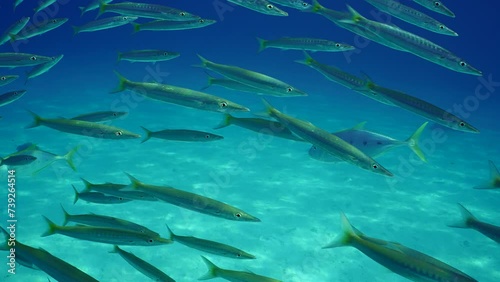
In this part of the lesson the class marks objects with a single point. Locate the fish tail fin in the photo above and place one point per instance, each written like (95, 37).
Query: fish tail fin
(412, 142)
(137, 27)
(77, 195)
(348, 232)
(119, 57)
(467, 218)
(148, 134)
(87, 185)
(37, 120)
(494, 175)
(51, 227)
(4, 245)
(121, 83)
(76, 30)
(262, 44)
(226, 121)
(171, 234)
(209, 82)
(308, 60)
(315, 7)
(83, 11)
(69, 157)
(66, 216)
(134, 182)
(204, 62)
(102, 8)
(212, 270)
(115, 249)
(355, 16)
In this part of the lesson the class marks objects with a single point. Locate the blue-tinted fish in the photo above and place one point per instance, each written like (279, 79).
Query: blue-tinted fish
(44, 4)
(371, 143)
(260, 6)
(17, 3)
(146, 10)
(181, 135)
(44, 158)
(14, 60)
(401, 260)
(98, 198)
(36, 29)
(93, 5)
(470, 221)
(147, 56)
(6, 79)
(100, 116)
(436, 6)
(232, 275)
(494, 181)
(310, 44)
(296, 4)
(103, 24)
(117, 190)
(166, 25)
(43, 68)
(10, 97)
(14, 29)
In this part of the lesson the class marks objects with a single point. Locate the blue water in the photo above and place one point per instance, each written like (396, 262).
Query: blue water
(297, 198)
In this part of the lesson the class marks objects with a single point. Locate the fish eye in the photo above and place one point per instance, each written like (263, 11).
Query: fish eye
(207, 136)
(437, 4)
(374, 166)
(441, 27)
(314, 147)
(166, 53)
(125, 18)
(150, 240)
(183, 14)
(238, 255)
(270, 6)
(118, 133)
(201, 21)
(463, 64)
(304, 4)
(115, 114)
(223, 104)
(289, 89)
(3, 78)
(33, 58)
(337, 45)
(238, 215)
(462, 124)
(54, 21)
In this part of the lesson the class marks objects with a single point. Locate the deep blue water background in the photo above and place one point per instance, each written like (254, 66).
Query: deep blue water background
(297, 198)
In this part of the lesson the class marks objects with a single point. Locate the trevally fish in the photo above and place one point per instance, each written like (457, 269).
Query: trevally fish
(412, 43)
(181, 135)
(105, 235)
(494, 181)
(179, 95)
(310, 44)
(421, 107)
(401, 260)
(100, 116)
(43, 68)
(86, 128)
(166, 25)
(260, 6)
(57, 268)
(14, 29)
(43, 158)
(44, 4)
(147, 56)
(252, 78)
(327, 141)
(412, 16)
(93, 5)
(259, 125)
(210, 246)
(436, 6)
(6, 79)
(470, 221)
(142, 266)
(98, 198)
(17, 160)
(296, 4)
(105, 221)
(14, 60)
(146, 10)
(371, 143)
(33, 30)
(117, 190)
(232, 275)
(192, 201)
(103, 24)
(11, 96)
(343, 78)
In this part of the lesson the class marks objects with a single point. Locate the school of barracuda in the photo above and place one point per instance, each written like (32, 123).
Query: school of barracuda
(356, 145)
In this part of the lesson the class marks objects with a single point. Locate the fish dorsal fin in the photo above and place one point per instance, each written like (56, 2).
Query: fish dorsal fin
(359, 126)
(494, 173)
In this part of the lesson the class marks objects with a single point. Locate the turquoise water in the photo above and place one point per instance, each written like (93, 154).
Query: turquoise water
(297, 198)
